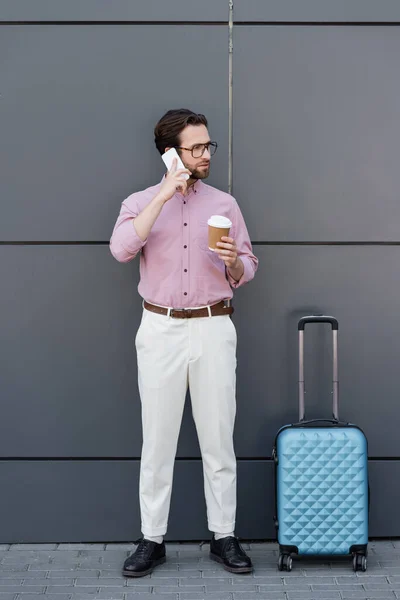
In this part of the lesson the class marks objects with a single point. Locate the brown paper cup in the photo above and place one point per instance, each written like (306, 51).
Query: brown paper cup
(218, 227)
(215, 234)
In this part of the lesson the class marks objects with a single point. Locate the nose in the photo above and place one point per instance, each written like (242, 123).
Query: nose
(206, 153)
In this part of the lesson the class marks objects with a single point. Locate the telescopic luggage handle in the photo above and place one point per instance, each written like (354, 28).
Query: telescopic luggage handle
(335, 327)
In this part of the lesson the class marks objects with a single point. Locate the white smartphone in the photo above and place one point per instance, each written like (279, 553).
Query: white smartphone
(169, 156)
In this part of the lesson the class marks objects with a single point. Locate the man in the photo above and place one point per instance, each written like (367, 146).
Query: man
(194, 347)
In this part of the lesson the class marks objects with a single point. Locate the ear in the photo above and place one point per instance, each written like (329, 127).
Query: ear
(167, 148)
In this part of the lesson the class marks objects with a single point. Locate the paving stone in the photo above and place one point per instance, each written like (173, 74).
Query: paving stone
(371, 594)
(235, 588)
(159, 581)
(26, 589)
(292, 595)
(202, 596)
(259, 596)
(35, 547)
(151, 597)
(81, 546)
(44, 597)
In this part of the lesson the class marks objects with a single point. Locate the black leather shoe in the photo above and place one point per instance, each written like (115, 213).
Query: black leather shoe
(146, 556)
(229, 552)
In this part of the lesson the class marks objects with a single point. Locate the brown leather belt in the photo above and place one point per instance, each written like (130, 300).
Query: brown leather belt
(191, 313)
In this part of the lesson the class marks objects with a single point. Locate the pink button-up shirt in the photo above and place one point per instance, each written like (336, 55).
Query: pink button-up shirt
(176, 267)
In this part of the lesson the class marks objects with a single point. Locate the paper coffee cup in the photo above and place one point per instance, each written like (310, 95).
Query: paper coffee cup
(218, 227)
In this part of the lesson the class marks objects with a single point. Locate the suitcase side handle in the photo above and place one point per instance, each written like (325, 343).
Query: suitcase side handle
(335, 381)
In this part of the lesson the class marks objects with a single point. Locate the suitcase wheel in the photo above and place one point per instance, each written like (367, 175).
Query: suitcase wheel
(285, 562)
(359, 562)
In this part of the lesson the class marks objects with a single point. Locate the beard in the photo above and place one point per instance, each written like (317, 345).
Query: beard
(200, 173)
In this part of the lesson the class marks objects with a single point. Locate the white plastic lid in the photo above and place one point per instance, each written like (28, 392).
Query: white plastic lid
(219, 221)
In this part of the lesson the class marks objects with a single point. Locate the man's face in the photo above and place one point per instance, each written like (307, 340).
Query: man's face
(189, 138)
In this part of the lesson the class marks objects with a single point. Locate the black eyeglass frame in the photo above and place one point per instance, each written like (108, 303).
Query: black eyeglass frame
(205, 146)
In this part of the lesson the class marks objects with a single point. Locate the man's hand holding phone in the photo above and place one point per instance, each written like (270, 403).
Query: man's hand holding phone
(173, 182)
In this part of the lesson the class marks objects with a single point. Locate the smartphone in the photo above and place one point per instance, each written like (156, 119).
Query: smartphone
(169, 156)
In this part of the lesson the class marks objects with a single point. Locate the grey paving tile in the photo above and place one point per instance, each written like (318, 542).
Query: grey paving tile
(120, 588)
(172, 589)
(98, 595)
(235, 588)
(151, 597)
(333, 588)
(195, 566)
(107, 555)
(319, 579)
(128, 547)
(382, 586)
(44, 597)
(186, 548)
(80, 546)
(220, 580)
(259, 596)
(364, 594)
(216, 574)
(26, 589)
(302, 584)
(51, 567)
(106, 595)
(159, 581)
(14, 558)
(46, 582)
(69, 589)
(35, 547)
(203, 596)
(269, 577)
(63, 573)
(272, 587)
(9, 596)
(293, 595)
(93, 581)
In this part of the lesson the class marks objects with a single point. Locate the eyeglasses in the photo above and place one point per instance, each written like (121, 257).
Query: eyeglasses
(198, 149)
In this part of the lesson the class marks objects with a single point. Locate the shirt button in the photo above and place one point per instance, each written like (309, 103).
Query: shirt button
(185, 270)
(184, 202)
(185, 224)
(185, 246)
(185, 294)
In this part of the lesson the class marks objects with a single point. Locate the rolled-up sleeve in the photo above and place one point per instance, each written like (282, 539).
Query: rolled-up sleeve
(244, 250)
(125, 242)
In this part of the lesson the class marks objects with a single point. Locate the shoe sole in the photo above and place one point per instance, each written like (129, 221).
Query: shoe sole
(218, 559)
(156, 563)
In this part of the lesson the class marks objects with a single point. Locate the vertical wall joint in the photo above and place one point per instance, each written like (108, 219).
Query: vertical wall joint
(230, 101)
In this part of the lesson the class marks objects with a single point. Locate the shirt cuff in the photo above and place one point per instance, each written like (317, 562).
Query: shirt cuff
(130, 240)
(247, 274)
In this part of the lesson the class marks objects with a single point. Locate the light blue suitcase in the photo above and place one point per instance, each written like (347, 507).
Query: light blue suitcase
(321, 479)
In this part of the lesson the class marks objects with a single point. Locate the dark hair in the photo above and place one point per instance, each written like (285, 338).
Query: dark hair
(168, 128)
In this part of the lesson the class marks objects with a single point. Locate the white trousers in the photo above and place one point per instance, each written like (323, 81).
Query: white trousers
(172, 355)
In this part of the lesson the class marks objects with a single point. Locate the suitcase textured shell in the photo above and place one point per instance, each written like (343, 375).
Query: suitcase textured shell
(322, 489)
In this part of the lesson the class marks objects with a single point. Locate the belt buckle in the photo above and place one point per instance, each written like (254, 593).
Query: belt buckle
(174, 310)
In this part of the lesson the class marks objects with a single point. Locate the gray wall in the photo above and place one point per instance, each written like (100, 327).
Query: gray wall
(316, 130)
